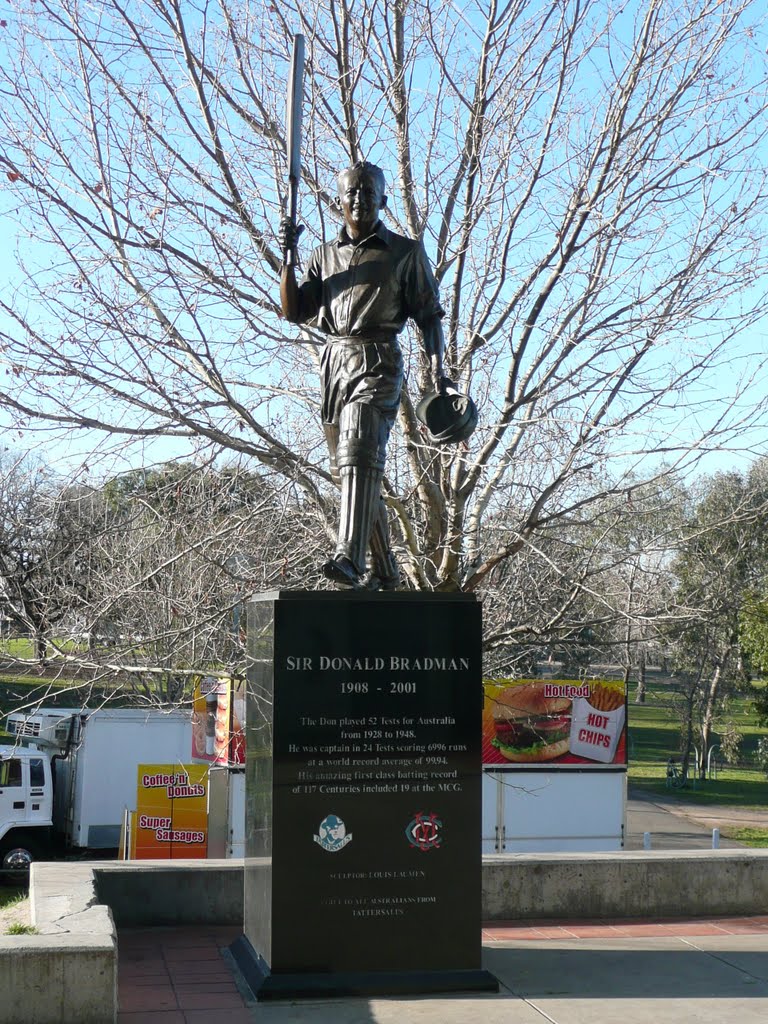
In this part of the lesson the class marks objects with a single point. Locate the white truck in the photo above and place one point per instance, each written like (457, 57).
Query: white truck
(70, 773)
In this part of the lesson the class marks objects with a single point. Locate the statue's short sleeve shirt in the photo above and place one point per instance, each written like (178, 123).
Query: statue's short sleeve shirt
(370, 288)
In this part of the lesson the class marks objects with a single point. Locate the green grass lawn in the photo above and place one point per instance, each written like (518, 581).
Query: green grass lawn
(19, 691)
(11, 897)
(654, 737)
(757, 837)
(17, 647)
(22, 648)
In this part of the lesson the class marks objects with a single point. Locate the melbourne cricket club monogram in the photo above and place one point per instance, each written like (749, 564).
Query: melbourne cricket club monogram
(333, 834)
(424, 832)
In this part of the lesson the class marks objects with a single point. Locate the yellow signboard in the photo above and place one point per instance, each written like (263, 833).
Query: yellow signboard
(171, 812)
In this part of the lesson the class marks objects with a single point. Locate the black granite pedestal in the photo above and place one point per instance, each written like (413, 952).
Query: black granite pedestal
(363, 803)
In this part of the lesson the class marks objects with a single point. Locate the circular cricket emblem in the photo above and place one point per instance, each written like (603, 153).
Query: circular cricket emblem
(424, 831)
(332, 834)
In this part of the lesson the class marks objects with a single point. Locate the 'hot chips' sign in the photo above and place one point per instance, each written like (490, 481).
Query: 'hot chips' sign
(597, 723)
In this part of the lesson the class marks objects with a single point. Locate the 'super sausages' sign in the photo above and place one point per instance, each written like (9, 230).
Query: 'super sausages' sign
(171, 819)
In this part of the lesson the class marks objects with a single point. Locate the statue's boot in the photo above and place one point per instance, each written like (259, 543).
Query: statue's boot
(342, 572)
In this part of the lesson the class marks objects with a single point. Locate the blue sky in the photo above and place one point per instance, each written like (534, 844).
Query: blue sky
(743, 360)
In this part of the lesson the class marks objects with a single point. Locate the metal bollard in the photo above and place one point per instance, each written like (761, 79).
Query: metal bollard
(715, 838)
(646, 840)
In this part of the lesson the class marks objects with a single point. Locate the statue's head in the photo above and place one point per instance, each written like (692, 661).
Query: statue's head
(362, 197)
(369, 170)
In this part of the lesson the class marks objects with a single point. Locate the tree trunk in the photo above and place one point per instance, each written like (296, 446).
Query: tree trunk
(640, 691)
(690, 698)
(40, 648)
(709, 713)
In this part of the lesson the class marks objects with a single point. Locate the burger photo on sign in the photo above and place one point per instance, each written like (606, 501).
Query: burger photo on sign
(530, 726)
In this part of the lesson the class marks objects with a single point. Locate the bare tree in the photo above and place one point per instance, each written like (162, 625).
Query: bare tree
(46, 532)
(639, 585)
(587, 176)
(189, 545)
(142, 582)
(591, 588)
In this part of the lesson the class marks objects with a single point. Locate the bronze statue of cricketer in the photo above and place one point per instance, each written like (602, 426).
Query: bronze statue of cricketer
(359, 290)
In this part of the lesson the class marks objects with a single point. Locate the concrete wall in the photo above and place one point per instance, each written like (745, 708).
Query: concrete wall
(515, 886)
(67, 974)
(171, 892)
(653, 884)
(58, 979)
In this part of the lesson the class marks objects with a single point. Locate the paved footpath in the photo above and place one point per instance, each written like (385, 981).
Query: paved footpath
(676, 825)
(620, 972)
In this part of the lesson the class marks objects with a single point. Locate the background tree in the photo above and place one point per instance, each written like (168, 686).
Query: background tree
(46, 532)
(639, 584)
(753, 630)
(587, 177)
(722, 558)
(146, 576)
(594, 588)
(188, 544)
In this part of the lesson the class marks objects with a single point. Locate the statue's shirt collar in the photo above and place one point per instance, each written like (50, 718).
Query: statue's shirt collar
(379, 232)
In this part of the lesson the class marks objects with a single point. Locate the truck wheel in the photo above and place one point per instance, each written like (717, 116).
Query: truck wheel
(16, 854)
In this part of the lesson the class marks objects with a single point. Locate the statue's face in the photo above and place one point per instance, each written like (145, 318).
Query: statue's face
(362, 199)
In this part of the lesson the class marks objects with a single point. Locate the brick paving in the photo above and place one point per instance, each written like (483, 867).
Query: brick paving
(180, 976)
(177, 976)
